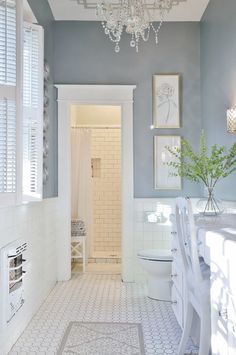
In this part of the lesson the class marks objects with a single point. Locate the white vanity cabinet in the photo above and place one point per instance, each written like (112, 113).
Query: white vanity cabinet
(219, 306)
(217, 245)
(219, 251)
(230, 309)
(231, 313)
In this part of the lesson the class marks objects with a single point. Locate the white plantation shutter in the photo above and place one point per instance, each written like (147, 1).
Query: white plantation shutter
(8, 100)
(8, 42)
(21, 116)
(32, 112)
(7, 146)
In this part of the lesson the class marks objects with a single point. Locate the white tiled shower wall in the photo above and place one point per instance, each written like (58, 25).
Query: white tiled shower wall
(38, 225)
(106, 155)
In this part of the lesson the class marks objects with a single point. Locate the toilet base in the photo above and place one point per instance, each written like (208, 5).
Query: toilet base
(159, 289)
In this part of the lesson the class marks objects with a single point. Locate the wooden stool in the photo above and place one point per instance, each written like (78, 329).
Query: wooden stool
(78, 249)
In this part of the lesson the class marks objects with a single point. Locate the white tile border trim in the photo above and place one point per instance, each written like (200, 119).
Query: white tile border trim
(121, 95)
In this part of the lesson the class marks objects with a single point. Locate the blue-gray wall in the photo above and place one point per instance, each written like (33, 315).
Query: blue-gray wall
(79, 53)
(42, 12)
(218, 78)
(83, 55)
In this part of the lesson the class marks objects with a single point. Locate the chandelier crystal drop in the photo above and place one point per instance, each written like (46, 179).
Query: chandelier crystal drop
(135, 17)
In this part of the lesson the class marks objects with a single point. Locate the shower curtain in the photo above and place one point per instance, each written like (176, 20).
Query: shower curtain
(81, 180)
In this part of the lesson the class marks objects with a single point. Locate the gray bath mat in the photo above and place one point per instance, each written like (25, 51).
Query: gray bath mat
(102, 339)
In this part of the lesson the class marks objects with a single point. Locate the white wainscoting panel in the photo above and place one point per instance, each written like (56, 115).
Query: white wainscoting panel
(37, 224)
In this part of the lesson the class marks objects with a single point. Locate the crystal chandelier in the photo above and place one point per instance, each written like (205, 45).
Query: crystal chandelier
(135, 17)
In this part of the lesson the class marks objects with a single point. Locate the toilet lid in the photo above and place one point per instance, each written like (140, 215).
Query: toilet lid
(156, 254)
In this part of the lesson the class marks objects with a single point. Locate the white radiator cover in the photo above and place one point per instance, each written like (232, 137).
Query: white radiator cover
(13, 263)
(39, 225)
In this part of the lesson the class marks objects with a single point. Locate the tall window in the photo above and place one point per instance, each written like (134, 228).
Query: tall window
(21, 128)
(8, 139)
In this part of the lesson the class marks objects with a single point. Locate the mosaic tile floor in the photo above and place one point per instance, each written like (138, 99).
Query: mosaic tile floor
(99, 298)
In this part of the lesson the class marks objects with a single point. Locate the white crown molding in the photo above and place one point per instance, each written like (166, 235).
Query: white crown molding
(96, 93)
(191, 10)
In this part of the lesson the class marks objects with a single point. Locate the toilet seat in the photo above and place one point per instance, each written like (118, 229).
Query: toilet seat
(155, 255)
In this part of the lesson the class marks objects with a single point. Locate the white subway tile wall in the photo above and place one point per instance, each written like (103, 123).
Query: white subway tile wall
(106, 158)
(151, 235)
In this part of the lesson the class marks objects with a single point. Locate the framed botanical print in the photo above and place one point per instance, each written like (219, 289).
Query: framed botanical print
(163, 179)
(166, 101)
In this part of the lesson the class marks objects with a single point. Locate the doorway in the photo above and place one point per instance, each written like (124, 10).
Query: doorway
(96, 186)
(117, 95)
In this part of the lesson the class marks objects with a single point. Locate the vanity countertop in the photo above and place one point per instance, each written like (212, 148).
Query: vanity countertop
(217, 235)
(225, 223)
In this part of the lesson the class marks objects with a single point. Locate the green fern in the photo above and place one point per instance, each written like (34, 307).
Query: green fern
(202, 167)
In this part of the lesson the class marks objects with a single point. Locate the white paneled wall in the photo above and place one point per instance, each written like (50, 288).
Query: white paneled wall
(38, 225)
(106, 158)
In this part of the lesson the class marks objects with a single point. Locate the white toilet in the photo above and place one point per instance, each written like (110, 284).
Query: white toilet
(157, 264)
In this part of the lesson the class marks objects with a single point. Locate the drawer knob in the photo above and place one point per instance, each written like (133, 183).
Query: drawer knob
(173, 302)
(223, 314)
(173, 233)
(173, 275)
(174, 250)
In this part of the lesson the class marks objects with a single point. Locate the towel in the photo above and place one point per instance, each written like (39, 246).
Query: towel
(77, 228)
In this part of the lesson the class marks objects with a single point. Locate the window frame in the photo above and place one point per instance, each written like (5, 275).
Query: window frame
(16, 92)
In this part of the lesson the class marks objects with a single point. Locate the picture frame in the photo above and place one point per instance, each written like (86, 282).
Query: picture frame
(166, 101)
(163, 180)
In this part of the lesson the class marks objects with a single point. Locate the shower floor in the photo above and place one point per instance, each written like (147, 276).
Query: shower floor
(103, 258)
(102, 254)
(101, 268)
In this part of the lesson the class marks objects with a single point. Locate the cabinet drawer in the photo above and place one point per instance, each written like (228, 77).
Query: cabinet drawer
(177, 305)
(177, 276)
(231, 341)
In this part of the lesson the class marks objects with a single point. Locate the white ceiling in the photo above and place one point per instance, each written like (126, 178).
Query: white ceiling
(83, 10)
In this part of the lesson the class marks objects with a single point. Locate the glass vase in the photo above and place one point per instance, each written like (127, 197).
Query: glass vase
(210, 206)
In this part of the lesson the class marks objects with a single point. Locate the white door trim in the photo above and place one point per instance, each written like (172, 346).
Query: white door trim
(121, 95)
